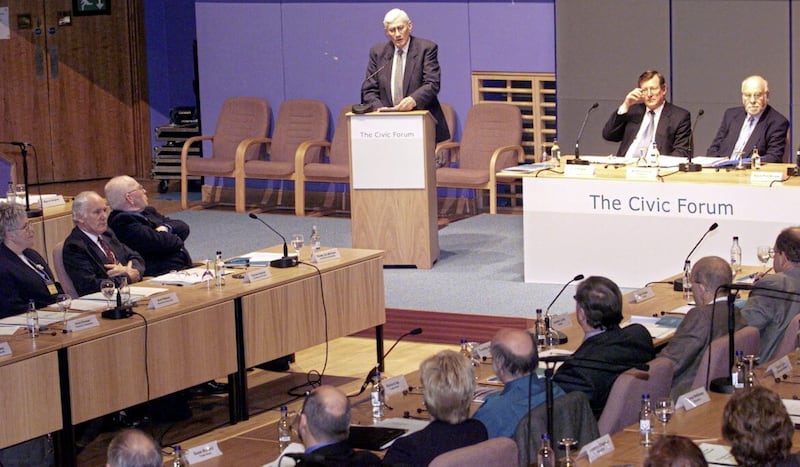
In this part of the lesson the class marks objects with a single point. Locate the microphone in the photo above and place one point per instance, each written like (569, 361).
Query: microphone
(285, 262)
(578, 160)
(677, 285)
(21, 144)
(363, 108)
(690, 166)
(794, 171)
(371, 374)
(562, 338)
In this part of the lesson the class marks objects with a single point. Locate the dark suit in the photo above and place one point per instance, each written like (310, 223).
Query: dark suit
(598, 361)
(686, 347)
(420, 448)
(162, 251)
(421, 79)
(19, 283)
(340, 455)
(673, 134)
(769, 135)
(85, 261)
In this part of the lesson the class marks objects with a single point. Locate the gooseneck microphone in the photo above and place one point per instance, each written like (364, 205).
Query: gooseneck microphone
(578, 159)
(371, 374)
(677, 285)
(281, 263)
(690, 166)
(363, 108)
(562, 338)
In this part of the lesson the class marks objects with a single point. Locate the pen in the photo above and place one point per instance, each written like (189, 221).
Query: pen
(753, 275)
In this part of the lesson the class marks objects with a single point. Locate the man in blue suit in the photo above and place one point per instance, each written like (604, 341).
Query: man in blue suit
(755, 125)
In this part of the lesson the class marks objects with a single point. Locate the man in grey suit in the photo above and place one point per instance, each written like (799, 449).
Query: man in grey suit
(645, 116)
(403, 74)
(754, 125)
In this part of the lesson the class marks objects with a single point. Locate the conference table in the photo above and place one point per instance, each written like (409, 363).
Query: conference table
(210, 332)
(604, 220)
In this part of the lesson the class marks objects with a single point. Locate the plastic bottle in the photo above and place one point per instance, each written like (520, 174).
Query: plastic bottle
(646, 422)
(315, 239)
(541, 331)
(755, 159)
(178, 459)
(284, 429)
(738, 372)
(11, 195)
(377, 398)
(653, 155)
(219, 269)
(32, 319)
(546, 457)
(463, 350)
(687, 280)
(736, 256)
(555, 152)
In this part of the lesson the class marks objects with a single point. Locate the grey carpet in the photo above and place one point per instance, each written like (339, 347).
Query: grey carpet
(480, 270)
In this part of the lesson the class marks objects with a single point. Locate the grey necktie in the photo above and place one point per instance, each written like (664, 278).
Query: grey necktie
(744, 135)
(397, 78)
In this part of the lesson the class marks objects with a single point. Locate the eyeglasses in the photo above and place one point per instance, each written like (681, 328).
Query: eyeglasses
(26, 227)
(140, 187)
(755, 95)
(651, 91)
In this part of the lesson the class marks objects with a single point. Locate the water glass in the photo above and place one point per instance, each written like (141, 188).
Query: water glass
(20, 193)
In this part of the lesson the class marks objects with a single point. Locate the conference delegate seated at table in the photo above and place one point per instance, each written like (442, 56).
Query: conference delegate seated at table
(607, 349)
(675, 451)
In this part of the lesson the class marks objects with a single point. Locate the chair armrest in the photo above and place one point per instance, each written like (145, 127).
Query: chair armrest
(446, 145)
(496, 154)
(188, 143)
(241, 149)
(301, 156)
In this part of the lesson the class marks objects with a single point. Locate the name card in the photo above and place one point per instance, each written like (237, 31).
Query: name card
(203, 453)
(327, 255)
(257, 275)
(484, 350)
(396, 385)
(80, 324)
(598, 448)
(5, 349)
(780, 368)
(163, 300)
(575, 170)
(641, 295)
(758, 177)
(642, 173)
(560, 321)
(693, 399)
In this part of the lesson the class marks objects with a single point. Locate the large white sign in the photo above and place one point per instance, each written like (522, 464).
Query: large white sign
(387, 151)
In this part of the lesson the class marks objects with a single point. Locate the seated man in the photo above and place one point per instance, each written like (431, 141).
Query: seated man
(710, 317)
(24, 274)
(92, 252)
(324, 427)
(157, 238)
(514, 360)
(133, 448)
(770, 311)
(756, 124)
(607, 350)
(675, 451)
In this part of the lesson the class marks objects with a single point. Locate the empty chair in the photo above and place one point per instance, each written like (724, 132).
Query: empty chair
(628, 389)
(491, 142)
(61, 271)
(789, 340)
(495, 452)
(443, 155)
(747, 339)
(239, 119)
(298, 121)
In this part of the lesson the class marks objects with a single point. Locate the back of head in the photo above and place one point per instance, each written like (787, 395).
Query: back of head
(675, 451)
(712, 272)
(327, 412)
(10, 215)
(788, 243)
(514, 352)
(758, 427)
(601, 301)
(134, 448)
(117, 188)
(449, 384)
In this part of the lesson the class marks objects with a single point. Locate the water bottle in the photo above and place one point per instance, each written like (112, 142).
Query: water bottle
(646, 422)
(219, 269)
(687, 280)
(738, 372)
(284, 430)
(11, 195)
(32, 319)
(736, 256)
(178, 460)
(377, 398)
(555, 152)
(755, 159)
(463, 344)
(315, 244)
(546, 457)
(653, 155)
(541, 331)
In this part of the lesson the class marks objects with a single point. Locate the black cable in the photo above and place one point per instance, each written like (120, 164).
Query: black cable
(548, 170)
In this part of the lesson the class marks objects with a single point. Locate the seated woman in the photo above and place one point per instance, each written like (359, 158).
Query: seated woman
(449, 384)
(24, 274)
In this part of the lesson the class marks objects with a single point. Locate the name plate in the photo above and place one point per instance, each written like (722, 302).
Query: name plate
(5, 349)
(560, 321)
(80, 324)
(598, 448)
(203, 453)
(780, 368)
(396, 385)
(758, 177)
(257, 275)
(693, 399)
(162, 301)
(327, 255)
(484, 350)
(640, 295)
(576, 170)
(642, 173)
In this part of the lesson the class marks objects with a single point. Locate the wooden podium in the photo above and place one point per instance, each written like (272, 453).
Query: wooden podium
(393, 186)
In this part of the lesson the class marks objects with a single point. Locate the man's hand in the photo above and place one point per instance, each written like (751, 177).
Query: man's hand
(118, 269)
(633, 97)
(407, 104)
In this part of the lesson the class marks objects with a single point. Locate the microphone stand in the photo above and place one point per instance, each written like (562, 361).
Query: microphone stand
(24, 152)
(379, 365)
(690, 166)
(577, 160)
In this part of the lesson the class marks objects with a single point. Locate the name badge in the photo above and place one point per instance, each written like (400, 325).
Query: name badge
(80, 324)
(5, 349)
(642, 173)
(597, 448)
(327, 255)
(574, 170)
(162, 301)
(693, 399)
(51, 288)
(257, 275)
(203, 453)
(395, 385)
(780, 368)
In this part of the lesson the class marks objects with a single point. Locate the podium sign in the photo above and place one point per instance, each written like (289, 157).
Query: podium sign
(393, 186)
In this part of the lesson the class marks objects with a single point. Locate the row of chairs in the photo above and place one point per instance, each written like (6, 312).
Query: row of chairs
(240, 148)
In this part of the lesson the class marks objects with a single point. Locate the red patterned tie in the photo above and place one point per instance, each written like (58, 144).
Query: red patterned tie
(109, 253)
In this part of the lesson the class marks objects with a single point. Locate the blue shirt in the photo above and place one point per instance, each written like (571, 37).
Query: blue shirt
(502, 411)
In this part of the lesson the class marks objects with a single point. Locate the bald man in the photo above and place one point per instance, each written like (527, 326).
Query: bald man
(514, 359)
(324, 427)
(133, 447)
(739, 135)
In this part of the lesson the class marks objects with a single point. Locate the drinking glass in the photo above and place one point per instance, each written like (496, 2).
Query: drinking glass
(567, 444)
(63, 302)
(108, 288)
(763, 255)
(124, 290)
(665, 408)
(297, 244)
(20, 193)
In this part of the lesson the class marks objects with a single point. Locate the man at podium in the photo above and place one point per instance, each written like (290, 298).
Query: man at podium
(403, 74)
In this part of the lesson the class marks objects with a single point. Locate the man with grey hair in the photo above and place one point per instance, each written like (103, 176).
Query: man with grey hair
(133, 448)
(156, 237)
(92, 252)
(403, 74)
(753, 125)
(514, 359)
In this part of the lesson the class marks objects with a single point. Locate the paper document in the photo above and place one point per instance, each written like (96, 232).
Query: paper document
(260, 258)
(45, 318)
(527, 168)
(717, 454)
(681, 310)
(185, 277)
(650, 323)
(81, 304)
